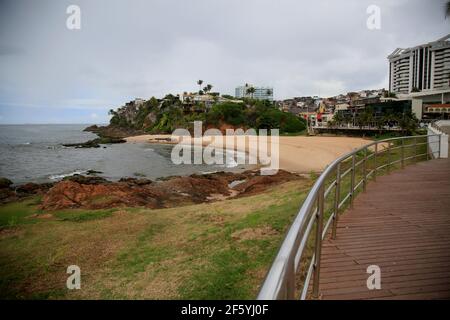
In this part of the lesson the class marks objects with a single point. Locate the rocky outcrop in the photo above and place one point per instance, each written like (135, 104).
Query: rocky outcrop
(90, 193)
(114, 132)
(95, 143)
(9, 193)
(5, 183)
(6, 193)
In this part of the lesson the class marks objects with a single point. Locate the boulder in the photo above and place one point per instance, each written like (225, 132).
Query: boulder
(33, 188)
(86, 179)
(5, 183)
(95, 192)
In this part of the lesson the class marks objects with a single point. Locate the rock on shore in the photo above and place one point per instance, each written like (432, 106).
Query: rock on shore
(83, 192)
(9, 193)
(111, 131)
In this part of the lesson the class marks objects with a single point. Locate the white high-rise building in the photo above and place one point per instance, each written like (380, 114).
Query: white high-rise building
(421, 68)
(261, 93)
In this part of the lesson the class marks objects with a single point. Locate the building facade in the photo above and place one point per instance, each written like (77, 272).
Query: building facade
(421, 68)
(261, 93)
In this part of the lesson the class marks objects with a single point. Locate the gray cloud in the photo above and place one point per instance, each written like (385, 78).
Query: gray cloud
(140, 48)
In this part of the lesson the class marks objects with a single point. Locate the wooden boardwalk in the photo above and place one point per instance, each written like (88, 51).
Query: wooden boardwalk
(401, 224)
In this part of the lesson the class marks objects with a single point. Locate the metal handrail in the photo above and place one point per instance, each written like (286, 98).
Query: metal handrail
(282, 278)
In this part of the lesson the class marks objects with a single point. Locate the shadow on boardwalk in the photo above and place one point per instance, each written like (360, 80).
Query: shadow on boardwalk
(401, 224)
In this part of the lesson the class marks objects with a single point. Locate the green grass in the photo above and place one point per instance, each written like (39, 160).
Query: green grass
(226, 276)
(77, 215)
(16, 213)
(134, 253)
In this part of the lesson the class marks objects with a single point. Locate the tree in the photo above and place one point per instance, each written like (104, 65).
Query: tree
(338, 119)
(199, 82)
(365, 118)
(251, 91)
(408, 122)
(447, 9)
(207, 88)
(389, 119)
(269, 92)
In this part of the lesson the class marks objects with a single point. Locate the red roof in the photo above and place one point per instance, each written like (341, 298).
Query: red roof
(438, 105)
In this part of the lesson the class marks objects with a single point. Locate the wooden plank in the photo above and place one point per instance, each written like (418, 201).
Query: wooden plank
(401, 224)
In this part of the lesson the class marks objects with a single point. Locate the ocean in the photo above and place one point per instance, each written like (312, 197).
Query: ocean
(34, 153)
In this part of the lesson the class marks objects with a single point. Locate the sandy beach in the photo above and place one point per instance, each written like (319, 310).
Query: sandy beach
(300, 154)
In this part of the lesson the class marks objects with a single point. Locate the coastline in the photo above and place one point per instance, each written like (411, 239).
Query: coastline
(299, 154)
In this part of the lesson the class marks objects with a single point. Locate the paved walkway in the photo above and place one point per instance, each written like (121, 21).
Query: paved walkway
(401, 224)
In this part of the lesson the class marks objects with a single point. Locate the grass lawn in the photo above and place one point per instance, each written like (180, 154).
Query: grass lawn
(220, 250)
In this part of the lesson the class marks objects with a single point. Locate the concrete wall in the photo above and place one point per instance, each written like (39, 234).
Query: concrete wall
(416, 108)
(433, 143)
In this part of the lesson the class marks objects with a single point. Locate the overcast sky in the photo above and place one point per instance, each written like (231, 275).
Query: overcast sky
(133, 48)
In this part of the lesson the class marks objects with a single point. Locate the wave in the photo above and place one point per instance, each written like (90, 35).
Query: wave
(208, 172)
(62, 176)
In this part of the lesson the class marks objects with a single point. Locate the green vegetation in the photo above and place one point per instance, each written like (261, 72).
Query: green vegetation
(27, 211)
(219, 250)
(15, 213)
(260, 115)
(405, 120)
(168, 114)
(77, 215)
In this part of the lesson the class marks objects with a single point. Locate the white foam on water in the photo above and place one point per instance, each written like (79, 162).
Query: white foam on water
(62, 176)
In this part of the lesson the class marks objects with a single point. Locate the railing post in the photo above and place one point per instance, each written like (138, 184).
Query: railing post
(403, 153)
(439, 151)
(415, 148)
(365, 170)
(318, 248)
(337, 199)
(290, 279)
(389, 158)
(375, 162)
(428, 148)
(352, 181)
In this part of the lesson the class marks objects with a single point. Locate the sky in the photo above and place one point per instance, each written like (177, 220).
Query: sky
(142, 48)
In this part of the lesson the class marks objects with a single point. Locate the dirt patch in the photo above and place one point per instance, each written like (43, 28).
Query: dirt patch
(10, 232)
(41, 216)
(253, 233)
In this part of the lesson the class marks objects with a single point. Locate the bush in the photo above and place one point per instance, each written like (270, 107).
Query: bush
(227, 112)
(276, 119)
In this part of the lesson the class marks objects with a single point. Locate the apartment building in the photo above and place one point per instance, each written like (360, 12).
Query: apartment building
(261, 93)
(425, 67)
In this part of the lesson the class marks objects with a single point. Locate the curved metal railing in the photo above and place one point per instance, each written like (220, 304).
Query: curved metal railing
(288, 277)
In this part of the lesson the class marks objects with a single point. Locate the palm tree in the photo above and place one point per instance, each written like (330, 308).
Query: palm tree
(251, 91)
(199, 82)
(207, 88)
